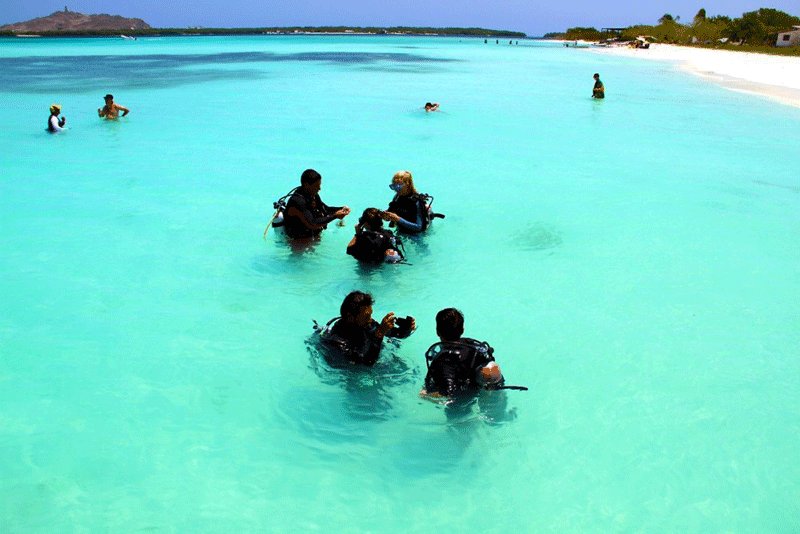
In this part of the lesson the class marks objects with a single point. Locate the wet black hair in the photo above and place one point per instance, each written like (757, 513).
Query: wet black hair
(449, 324)
(371, 218)
(428, 105)
(596, 75)
(109, 96)
(310, 176)
(354, 302)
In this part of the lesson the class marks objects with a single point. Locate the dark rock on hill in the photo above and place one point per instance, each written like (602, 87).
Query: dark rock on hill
(67, 21)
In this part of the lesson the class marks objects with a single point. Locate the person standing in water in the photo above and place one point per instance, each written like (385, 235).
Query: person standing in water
(306, 215)
(458, 365)
(55, 123)
(599, 90)
(111, 110)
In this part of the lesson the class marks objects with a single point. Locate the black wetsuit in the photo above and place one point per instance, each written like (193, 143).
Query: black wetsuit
(371, 245)
(356, 344)
(454, 366)
(312, 209)
(59, 121)
(598, 91)
(413, 211)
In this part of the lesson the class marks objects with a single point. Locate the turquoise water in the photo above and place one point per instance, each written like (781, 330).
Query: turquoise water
(633, 261)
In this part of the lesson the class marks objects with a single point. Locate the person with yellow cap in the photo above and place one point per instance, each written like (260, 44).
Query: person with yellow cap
(55, 123)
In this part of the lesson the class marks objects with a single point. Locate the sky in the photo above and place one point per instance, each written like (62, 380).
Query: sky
(534, 17)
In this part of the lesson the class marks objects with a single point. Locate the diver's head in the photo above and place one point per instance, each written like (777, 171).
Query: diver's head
(311, 181)
(371, 219)
(428, 105)
(55, 109)
(108, 98)
(449, 324)
(356, 308)
(403, 183)
(596, 76)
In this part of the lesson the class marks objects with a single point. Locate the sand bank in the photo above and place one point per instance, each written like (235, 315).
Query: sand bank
(774, 77)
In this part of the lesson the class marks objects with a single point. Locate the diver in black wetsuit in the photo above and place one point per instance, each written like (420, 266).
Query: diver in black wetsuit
(458, 365)
(599, 90)
(305, 214)
(372, 242)
(356, 337)
(409, 210)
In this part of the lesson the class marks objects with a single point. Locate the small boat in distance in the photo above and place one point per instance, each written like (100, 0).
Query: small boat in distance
(29, 35)
(128, 37)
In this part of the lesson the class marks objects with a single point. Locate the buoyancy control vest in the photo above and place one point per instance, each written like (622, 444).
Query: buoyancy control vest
(371, 245)
(458, 361)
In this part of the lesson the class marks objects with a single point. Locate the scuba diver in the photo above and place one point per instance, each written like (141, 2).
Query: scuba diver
(458, 365)
(304, 214)
(409, 210)
(355, 336)
(373, 243)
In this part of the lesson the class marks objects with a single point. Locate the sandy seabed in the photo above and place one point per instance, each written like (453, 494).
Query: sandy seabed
(773, 77)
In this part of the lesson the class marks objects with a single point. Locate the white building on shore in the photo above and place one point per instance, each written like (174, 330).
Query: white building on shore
(790, 38)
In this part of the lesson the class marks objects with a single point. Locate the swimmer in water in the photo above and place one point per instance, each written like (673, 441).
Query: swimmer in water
(55, 123)
(111, 110)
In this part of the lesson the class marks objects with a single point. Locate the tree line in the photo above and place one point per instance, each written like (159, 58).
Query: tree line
(162, 32)
(754, 28)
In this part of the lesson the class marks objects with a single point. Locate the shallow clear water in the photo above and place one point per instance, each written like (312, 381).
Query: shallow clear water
(633, 261)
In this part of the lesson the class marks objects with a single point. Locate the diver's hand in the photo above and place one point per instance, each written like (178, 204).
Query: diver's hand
(342, 213)
(389, 216)
(387, 323)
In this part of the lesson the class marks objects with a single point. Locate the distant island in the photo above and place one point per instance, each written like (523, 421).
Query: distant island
(72, 24)
(68, 22)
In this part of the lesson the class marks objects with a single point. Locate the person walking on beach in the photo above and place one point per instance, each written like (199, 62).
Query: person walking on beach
(111, 110)
(599, 90)
(55, 123)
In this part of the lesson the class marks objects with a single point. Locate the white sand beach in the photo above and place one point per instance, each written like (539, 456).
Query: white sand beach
(774, 77)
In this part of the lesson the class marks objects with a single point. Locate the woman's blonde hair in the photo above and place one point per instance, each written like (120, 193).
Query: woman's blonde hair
(406, 178)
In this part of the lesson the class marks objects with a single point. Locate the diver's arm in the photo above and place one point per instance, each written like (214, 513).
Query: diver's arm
(408, 225)
(398, 333)
(123, 109)
(337, 212)
(374, 342)
(300, 210)
(386, 326)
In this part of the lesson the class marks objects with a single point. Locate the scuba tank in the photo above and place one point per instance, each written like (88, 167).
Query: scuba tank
(280, 208)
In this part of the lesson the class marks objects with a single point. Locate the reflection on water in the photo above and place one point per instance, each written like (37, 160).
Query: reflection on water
(369, 389)
(487, 406)
(537, 237)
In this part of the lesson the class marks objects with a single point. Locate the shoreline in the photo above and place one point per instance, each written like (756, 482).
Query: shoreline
(776, 78)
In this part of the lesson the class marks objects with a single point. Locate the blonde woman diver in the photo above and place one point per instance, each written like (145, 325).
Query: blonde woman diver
(409, 210)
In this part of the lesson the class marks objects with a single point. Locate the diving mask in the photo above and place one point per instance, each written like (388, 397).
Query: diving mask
(396, 187)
